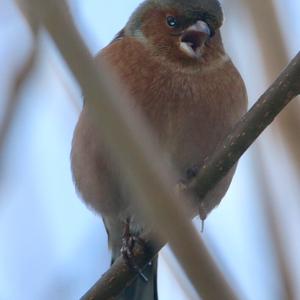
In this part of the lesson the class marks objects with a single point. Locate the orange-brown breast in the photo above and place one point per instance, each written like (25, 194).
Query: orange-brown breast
(190, 111)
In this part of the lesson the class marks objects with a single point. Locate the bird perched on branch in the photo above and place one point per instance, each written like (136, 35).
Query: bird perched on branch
(171, 60)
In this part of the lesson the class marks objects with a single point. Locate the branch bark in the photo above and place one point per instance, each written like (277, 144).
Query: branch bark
(19, 80)
(269, 105)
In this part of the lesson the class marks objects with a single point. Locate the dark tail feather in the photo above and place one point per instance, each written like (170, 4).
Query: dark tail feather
(139, 289)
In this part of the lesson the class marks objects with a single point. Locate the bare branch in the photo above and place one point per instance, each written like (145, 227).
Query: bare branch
(269, 105)
(19, 80)
(120, 275)
(14, 97)
(274, 51)
(273, 225)
(280, 93)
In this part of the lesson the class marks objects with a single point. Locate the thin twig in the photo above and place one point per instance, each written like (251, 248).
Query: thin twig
(110, 285)
(18, 83)
(20, 78)
(270, 104)
(14, 97)
(269, 32)
(274, 228)
(274, 51)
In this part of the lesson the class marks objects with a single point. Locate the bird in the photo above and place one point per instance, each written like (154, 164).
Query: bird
(171, 60)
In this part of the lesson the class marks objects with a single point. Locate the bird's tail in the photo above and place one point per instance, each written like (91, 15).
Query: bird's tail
(141, 289)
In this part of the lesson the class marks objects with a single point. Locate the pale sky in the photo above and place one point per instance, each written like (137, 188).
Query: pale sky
(52, 246)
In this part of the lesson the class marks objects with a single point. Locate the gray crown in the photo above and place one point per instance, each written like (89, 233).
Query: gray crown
(187, 7)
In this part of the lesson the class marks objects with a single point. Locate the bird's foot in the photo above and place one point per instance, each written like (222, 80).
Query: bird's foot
(128, 242)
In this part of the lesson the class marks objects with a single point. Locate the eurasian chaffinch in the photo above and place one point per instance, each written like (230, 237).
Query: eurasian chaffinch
(171, 59)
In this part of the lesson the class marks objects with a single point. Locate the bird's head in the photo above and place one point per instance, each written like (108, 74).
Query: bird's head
(184, 30)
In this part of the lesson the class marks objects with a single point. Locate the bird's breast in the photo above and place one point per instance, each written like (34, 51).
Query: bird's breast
(189, 112)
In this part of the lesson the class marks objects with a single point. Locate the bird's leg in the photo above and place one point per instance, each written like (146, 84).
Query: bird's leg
(128, 242)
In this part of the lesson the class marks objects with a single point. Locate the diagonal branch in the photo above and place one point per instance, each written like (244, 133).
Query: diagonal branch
(13, 100)
(269, 105)
(113, 282)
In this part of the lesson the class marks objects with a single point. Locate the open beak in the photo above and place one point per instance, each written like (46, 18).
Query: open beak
(193, 39)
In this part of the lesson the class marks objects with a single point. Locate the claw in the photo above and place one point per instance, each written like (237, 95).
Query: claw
(202, 226)
(202, 215)
(128, 242)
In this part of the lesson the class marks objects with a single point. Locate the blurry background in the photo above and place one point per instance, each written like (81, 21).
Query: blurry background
(53, 247)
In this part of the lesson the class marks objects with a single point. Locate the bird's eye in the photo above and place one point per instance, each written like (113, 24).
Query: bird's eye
(172, 22)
